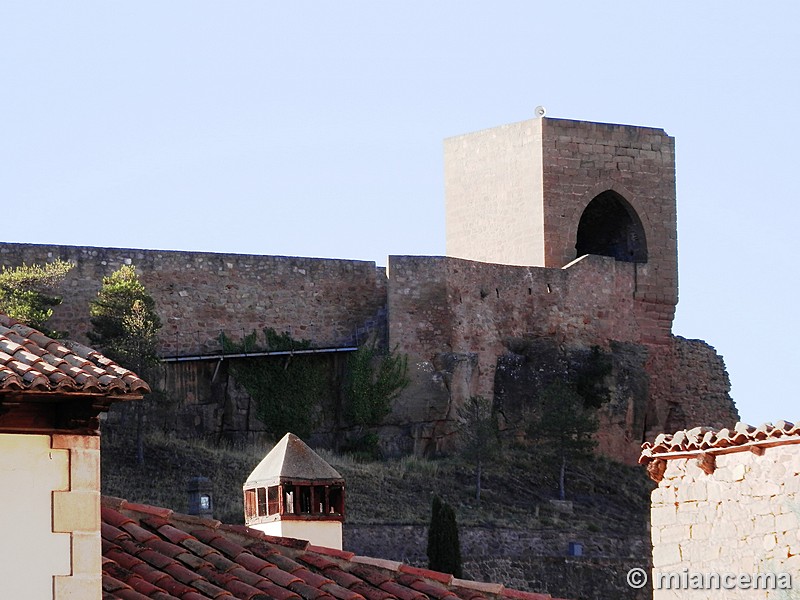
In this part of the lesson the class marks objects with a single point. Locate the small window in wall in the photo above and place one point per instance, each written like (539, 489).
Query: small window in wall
(336, 500)
(320, 500)
(609, 226)
(305, 499)
(262, 501)
(250, 504)
(273, 500)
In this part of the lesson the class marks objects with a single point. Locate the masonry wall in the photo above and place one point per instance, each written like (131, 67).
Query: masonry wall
(525, 559)
(453, 317)
(439, 304)
(744, 518)
(582, 160)
(515, 194)
(199, 294)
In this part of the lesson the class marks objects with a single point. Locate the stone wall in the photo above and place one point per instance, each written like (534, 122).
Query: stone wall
(580, 578)
(582, 160)
(741, 519)
(201, 294)
(454, 318)
(439, 304)
(521, 559)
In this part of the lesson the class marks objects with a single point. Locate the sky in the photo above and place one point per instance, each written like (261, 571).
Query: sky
(315, 129)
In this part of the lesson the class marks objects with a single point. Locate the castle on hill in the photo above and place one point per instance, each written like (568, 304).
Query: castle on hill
(561, 238)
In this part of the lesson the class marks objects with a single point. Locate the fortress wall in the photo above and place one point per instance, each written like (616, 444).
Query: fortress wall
(439, 304)
(200, 294)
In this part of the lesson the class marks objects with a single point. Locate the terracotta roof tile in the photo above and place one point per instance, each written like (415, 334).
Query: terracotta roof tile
(30, 360)
(370, 592)
(704, 439)
(343, 578)
(467, 593)
(317, 561)
(160, 555)
(402, 592)
(253, 563)
(337, 591)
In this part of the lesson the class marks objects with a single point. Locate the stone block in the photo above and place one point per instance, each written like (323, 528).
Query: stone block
(666, 555)
(663, 515)
(700, 531)
(69, 441)
(84, 469)
(786, 522)
(76, 511)
(77, 587)
(674, 533)
(86, 553)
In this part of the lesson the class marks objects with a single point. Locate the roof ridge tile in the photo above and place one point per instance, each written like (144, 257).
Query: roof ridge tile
(445, 578)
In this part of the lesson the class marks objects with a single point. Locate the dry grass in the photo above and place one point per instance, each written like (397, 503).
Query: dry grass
(607, 496)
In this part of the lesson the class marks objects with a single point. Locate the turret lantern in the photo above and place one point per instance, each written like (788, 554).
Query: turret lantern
(294, 493)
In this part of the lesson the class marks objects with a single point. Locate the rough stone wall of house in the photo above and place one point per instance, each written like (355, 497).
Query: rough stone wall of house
(200, 294)
(742, 519)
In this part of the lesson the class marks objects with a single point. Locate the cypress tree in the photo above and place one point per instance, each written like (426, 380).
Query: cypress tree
(444, 550)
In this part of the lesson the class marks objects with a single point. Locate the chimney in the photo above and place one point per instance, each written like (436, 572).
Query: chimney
(294, 493)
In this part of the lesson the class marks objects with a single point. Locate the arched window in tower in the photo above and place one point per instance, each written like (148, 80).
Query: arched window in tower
(610, 227)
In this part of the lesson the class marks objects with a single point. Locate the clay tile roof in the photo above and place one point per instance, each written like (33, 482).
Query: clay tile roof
(29, 360)
(699, 440)
(158, 554)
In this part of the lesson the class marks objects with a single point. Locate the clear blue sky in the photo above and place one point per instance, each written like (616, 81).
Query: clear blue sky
(315, 129)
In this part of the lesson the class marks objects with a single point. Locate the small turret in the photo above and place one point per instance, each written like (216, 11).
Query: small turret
(294, 493)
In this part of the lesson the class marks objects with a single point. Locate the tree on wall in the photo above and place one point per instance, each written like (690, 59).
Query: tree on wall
(124, 320)
(479, 434)
(373, 381)
(125, 327)
(563, 427)
(26, 293)
(444, 549)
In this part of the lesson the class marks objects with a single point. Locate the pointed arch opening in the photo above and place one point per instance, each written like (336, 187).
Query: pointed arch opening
(609, 226)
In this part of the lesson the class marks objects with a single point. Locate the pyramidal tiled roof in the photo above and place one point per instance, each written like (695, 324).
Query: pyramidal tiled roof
(707, 440)
(291, 458)
(31, 361)
(155, 553)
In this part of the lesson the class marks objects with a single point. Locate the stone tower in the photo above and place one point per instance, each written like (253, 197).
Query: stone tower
(294, 493)
(545, 191)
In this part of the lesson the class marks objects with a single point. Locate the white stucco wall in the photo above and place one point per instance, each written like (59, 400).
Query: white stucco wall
(319, 533)
(30, 553)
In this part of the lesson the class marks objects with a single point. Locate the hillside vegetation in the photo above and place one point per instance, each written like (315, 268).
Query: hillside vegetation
(517, 489)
